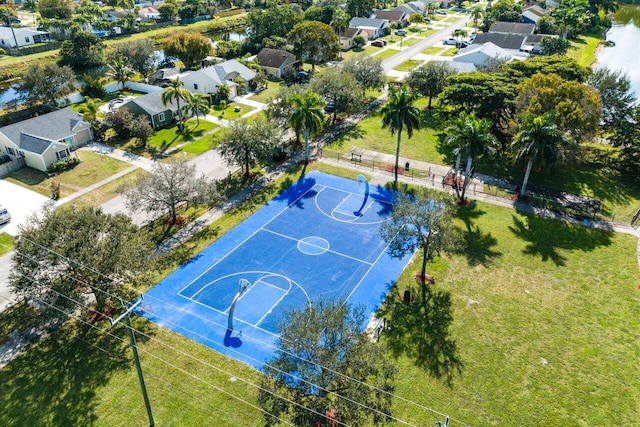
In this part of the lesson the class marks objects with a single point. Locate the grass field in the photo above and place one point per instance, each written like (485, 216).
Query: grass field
(408, 65)
(544, 316)
(6, 243)
(168, 138)
(93, 168)
(583, 49)
(433, 50)
(108, 191)
(269, 93)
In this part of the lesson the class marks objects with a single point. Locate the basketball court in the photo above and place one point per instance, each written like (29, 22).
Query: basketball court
(317, 239)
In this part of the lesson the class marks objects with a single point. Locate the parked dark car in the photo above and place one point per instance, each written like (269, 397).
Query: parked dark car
(379, 43)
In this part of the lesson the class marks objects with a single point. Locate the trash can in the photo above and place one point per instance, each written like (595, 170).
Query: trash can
(406, 166)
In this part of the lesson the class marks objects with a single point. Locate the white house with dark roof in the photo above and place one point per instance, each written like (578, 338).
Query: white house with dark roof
(373, 28)
(398, 16)
(274, 62)
(512, 28)
(482, 54)
(45, 139)
(207, 80)
(23, 36)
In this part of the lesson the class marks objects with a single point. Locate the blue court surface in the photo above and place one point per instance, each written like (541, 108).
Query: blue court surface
(317, 239)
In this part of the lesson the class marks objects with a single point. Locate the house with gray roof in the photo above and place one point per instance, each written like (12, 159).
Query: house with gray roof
(373, 28)
(45, 139)
(532, 14)
(512, 28)
(206, 80)
(482, 55)
(398, 16)
(274, 62)
(152, 107)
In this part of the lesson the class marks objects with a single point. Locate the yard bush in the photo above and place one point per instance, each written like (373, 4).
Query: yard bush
(63, 165)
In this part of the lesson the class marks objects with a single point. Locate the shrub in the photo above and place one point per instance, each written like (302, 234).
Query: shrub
(63, 165)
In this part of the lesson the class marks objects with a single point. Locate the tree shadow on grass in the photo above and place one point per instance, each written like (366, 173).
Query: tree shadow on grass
(55, 381)
(477, 244)
(547, 238)
(354, 133)
(420, 331)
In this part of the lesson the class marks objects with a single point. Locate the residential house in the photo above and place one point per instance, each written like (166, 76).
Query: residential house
(151, 106)
(373, 28)
(398, 17)
(515, 44)
(207, 80)
(274, 62)
(347, 36)
(22, 36)
(165, 74)
(114, 15)
(481, 55)
(149, 13)
(45, 139)
(512, 28)
(417, 6)
(532, 14)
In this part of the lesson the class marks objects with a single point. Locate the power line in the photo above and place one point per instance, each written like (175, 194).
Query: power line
(186, 372)
(258, 341)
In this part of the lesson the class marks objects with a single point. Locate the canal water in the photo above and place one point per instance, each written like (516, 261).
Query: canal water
(625, 34)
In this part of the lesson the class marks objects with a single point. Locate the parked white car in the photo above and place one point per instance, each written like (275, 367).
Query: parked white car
(450, 40)
(5, 216)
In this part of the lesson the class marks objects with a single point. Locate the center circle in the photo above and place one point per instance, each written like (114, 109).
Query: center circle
(313, 245)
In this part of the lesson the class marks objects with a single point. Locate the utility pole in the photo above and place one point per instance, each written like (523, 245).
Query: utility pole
(134, 348)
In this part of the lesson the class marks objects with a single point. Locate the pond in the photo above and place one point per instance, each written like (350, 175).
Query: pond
(625, 33)
(8, 93)
(234, 36)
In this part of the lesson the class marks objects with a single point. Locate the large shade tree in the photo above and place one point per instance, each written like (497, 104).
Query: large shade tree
(471, 137)
(248, 143)
(314, 41)
(367, 70)
(306, 114)
(429, 79)
(45, 84)
(81, 254)
(400, 114)
(341, 90)
(326, 370)
(539, 143)
(168, 186)
(190, 48)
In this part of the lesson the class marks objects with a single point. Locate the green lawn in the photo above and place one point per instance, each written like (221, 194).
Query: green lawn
(583, 49)
(6, 243)
(168, 138)
(269, 93)
(452, 51)
(229, 112)
(108, 191)
(544, 315)
(433, 50)
(408, 65)
(198, 146)
(93, 168)
(410, 41)
(370, 135)
(386, 53)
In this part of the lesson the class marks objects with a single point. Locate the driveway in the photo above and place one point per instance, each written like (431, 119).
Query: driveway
(21, 203)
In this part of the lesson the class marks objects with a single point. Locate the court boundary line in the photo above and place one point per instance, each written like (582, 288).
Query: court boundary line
(319, 247)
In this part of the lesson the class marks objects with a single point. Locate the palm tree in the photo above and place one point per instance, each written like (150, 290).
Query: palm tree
(340, 22)
(476, 14)
(175, 92)
(307, 114)
(472, 136)
(197, 103)
(539, 142)
(120, 71)
(398, 113)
